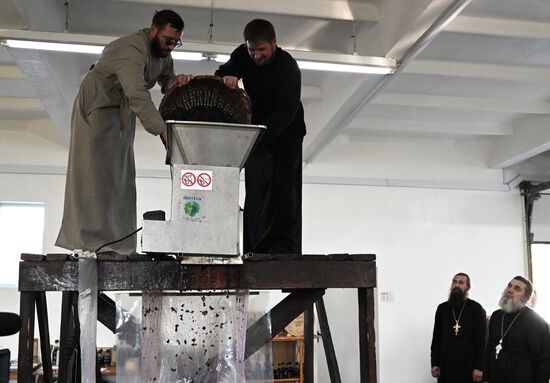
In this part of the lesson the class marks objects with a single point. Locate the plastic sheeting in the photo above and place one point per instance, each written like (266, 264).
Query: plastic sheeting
(128, 332)
(189, 338)
(87, 312)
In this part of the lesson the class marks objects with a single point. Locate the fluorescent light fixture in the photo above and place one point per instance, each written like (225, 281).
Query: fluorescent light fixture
(90, 44)
(222, 58)
(96, 49)
(57, 47)
(187, 56)
(350, 68)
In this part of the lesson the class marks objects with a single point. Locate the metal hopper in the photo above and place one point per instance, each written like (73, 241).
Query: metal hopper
(211, 143)
(205, 159)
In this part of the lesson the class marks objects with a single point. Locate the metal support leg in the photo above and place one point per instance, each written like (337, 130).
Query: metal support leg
(332, 362)
(308, 345)
(367, 339)
(42, 315)
(69, 339)
(26, 338)
(258, 334)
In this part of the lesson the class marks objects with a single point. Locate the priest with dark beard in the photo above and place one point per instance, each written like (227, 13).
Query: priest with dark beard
(100, 189)
(518, 350)
(459, 336)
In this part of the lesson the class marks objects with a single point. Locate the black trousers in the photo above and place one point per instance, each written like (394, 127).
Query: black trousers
(273, 202)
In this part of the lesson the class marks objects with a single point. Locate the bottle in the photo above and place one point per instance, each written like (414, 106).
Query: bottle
(113, 356)
(107, 357)
(296, 370)
(55, 353)
(99, 357)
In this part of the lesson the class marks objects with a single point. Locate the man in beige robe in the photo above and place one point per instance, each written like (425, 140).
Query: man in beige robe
(100, 192)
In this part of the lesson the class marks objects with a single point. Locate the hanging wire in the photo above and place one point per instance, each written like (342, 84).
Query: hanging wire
(211, 29)
(67, 16)
(354, 39)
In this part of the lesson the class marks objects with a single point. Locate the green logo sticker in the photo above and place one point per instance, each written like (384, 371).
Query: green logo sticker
(192, 208)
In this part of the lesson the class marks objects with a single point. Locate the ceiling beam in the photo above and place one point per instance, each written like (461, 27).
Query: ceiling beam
(500, 27)
(54, 80)
(41, 74)
(405, 22)
(480, 70)
(13, 125)
(529, 140)
(10, 72)
(21, 103)
(363, 95)
(465, 103)
(307, 32)
(361, 127)
(326, 9)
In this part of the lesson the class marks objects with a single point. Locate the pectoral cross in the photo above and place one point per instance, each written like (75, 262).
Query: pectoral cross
(456, 327)
(498, 348)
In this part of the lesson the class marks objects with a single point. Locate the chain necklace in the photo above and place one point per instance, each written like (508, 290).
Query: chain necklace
(503, 333)
(457, 325)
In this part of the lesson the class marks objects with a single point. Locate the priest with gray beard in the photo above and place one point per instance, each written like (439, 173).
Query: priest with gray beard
(518, 350)
(459, 336)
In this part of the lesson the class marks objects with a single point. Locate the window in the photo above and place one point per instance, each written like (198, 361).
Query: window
(540, 258)
(21, 231)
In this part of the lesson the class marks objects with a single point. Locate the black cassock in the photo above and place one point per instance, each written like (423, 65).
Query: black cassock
(273, 172)
(525, 353)
(457, 355)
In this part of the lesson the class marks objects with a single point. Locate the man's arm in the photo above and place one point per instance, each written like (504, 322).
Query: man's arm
(436, 345)
(167, 75)
(489, 347)
(480, 340)
(128, 65)
(538, 342)
(168, 80)
(234, 66)
(287, 102)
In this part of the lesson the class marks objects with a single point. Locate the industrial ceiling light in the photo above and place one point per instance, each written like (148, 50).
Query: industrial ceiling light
(97, 49)
(349, 68)
(56, 47)
(83, 48)
(88, 44)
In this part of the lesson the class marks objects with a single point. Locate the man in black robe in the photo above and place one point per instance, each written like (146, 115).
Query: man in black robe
(518, 350)
(273, 172)
(459, 336)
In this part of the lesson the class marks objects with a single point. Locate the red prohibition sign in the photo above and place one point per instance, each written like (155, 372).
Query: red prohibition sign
(188, 179)
(204, 180)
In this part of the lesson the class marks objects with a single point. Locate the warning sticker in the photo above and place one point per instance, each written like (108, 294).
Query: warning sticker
(196, 179)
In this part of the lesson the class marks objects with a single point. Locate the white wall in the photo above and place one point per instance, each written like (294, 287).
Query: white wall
(421, 238)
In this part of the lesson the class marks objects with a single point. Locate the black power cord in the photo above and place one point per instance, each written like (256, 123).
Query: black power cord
(118, 240)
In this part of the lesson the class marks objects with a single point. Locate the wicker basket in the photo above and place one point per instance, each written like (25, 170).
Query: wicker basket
(206, 98)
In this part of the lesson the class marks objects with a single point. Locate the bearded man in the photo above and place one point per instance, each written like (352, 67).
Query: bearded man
(273, 172)
(518, 350)
(100, 191)
(459, 335)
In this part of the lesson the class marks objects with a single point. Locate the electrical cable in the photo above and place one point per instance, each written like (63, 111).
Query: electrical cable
(118, 240)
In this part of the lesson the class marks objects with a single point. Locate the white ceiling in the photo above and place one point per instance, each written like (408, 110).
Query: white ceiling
(469, 109)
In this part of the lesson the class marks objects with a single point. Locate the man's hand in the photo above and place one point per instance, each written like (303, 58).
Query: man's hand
(477, 375)
(164, 138)
(179, 80)
(231, 82)
(435, 371)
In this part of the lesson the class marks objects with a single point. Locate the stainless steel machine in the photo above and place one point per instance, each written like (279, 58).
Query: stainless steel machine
(205, 160)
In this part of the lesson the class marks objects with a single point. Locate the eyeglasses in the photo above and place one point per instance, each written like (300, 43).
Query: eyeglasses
(171, 42)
